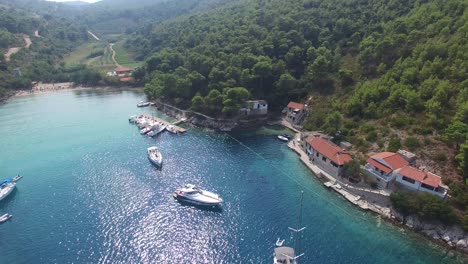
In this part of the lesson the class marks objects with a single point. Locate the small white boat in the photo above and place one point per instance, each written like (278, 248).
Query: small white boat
(154, 156)
(283, 138)
(132, 119)
(5, 218)
(279, 243)
(143, 104)
(191, 193)
(171, 129)
(146, 130)
(6, 187)
(157, 131)
(17, 178)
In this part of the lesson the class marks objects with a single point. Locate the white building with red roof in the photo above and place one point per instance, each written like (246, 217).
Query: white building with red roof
(384, 166)
(418, 180)
(326, 155)
(295, 112)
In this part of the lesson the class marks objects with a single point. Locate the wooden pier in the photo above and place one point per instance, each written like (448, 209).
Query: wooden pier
(166, 123)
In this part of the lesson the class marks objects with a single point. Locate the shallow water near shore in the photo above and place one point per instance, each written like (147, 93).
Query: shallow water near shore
(90, 195)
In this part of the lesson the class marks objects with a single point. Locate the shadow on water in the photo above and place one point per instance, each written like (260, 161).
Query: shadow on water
(105, 91)
(210, 208)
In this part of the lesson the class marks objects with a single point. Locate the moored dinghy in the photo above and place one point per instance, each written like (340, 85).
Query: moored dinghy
(5, 218)
(154, 156)
(143, 104)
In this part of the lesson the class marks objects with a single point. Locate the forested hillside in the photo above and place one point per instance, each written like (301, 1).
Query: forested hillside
(385, 74)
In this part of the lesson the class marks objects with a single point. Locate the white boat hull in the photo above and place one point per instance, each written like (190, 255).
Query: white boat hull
(5, 191)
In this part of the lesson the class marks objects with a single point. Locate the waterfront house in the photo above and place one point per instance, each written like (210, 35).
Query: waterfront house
(326, 155)
(418, 180)
(384, 166)
(255, 108)
(295, 112)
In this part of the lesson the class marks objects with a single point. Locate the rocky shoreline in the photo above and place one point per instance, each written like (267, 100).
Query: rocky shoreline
(450, 237)
(202, 120)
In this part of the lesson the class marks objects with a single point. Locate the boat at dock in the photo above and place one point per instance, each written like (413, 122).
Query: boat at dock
(146, 130)
(5, 218)
(171, 129)
(154, 155)
(284, 137)
(287, 255)
(158, 130)
(193, 194)
(17, 178)
(143, 104)
(6, 187)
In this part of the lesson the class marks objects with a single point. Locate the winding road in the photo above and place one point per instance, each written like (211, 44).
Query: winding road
(14, 50)
(113, 56)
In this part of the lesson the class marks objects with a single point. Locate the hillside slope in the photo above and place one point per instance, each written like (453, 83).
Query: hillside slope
(385, 74)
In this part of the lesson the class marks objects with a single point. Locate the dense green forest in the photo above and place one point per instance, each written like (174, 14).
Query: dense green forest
(404, 62)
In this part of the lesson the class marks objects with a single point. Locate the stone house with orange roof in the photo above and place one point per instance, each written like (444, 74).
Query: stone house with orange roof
(326, 155)
(418, 180)
(384, 166)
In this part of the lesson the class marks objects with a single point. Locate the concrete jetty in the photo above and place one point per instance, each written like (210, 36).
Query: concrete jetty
(166, 123)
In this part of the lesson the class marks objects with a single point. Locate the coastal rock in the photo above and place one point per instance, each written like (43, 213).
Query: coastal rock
(462, 243)
(413, 222)
(446, 238)
(431, 233)
(455, 232)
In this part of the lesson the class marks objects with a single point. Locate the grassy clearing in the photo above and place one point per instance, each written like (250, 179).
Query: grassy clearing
(125, 58)
(81, 54)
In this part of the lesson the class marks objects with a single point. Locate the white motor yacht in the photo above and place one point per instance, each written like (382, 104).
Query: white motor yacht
(6, 187)
(154, 156)
(193, 194)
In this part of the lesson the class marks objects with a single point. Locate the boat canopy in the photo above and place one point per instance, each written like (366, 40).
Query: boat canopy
(7, 180)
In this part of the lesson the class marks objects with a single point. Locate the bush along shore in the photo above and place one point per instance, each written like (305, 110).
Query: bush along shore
(202, 120)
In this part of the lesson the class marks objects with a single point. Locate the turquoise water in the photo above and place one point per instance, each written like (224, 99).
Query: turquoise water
(89, 194)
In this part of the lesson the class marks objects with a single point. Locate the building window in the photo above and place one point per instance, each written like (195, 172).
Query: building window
(408, 179)
(324, 159)
(334, 164)
(425, 186)
(316, 154)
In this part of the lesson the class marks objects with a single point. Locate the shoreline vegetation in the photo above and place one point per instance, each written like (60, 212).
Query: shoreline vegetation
(450, 237)
(376, 201)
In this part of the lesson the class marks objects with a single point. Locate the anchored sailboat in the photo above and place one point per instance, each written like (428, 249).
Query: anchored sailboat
(287, 255)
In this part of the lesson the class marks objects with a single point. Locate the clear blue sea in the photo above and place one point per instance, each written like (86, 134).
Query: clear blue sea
(90, 195)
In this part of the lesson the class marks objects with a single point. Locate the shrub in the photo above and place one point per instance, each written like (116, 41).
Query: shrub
(366, 128)
(399, 122)
(425, 205)
(440, 156)
(394, 145)
(412, 143)
(371, 136)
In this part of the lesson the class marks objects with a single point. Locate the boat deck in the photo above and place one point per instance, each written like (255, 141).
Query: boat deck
(166, 123)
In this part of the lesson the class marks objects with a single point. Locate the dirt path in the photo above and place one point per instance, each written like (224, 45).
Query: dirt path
(113, 56)
(14, 50)
(94, 36)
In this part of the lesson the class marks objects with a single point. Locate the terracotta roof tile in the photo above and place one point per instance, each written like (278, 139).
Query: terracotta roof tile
(330, 150)
(425, 177)
(295, 105)
(391, 160)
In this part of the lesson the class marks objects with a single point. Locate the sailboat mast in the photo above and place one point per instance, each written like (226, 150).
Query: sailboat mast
(298, 235)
